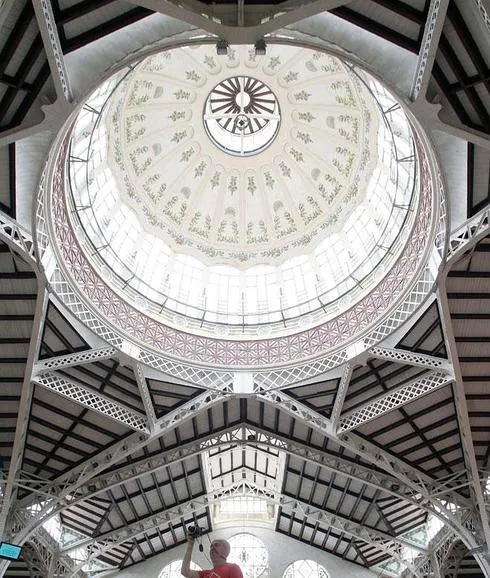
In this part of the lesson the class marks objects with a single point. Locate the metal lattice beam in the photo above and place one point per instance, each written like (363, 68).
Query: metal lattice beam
(420, 483)
(145, 396)
(9, 496)
(72, 359)
(67, 484)
(382, 541)
(463, 416)
(52, 46)
(393, 399)
(411, 358)
(428, 49)
(92, 400)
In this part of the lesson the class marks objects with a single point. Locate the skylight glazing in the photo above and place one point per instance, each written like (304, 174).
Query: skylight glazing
(158, 261)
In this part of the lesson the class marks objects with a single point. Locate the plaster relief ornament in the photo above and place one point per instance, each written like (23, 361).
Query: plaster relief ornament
(233, 205)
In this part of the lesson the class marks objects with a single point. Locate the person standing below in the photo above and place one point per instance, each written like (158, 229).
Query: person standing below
(219, 551)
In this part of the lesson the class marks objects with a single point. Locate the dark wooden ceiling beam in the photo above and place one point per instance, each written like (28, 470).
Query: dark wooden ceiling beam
(102, 30)
(452, 60)
(403, 9)
(468, 42)
(12, 82)
(28, 100)
(376, 28)
(16, 36)
(78, 10)
(470, 81)
(452, 97)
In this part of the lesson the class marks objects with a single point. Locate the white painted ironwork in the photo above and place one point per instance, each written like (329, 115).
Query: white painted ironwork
(382, 541)
(244, 436)
(207, 378)
(395, 398)
(267, 22)
(464, 425)
(92, 400)
(280, 378)
(51, 41)
(67, 296)
(64, 486)
(410, 358)
(23, 414)
(18, 238)
(430, 42)
(72, 359)
(482, 10)
(421, 484)
(468, 234)
(340, 395)
(145, 396)
(412, 302)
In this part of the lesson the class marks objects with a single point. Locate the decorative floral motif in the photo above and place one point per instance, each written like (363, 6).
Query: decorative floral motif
(345, 167)
(309, 214)
(228, 231)
(285, 170)
(133, 133)
(284, 224)
(297, 155)
(177, 115)
(331, 189)
(149, 186)
(192, 75)
(178, 136)
(304, 136)
(199, 225)
(269, 181)
(186, 155)
(209, 61)
(215, 180)
(232, 184)
(302, 96)
(199, 170)
(175, 209)
(291, 77)
(351, 135)
(347, 98)
(274, 62)
(182, 94)
(140, 160)
(140, 93)
(256, 233)
(251, 187)
(307, 116)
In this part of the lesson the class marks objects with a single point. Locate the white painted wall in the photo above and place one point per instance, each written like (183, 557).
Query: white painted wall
(282, 552)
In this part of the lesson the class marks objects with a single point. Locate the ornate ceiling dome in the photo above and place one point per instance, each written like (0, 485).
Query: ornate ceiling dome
(242, 196)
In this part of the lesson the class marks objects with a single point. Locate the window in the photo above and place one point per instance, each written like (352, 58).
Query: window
(250, 554)
(172, 570)
(305, 569)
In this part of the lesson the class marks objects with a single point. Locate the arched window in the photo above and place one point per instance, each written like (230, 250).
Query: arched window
(250, 554)
(305, 569)
(172, 570)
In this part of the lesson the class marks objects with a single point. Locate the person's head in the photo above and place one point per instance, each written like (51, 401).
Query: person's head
(218, 551)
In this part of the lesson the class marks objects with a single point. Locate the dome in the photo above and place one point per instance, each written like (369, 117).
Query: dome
(245, 197)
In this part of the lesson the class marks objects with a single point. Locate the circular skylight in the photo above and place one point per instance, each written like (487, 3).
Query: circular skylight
(241, 115)
(166, 227)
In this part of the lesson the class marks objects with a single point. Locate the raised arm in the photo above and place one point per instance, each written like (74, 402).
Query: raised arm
(185, 569)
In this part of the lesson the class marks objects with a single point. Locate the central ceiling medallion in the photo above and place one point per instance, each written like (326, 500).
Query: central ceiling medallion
(241, 116)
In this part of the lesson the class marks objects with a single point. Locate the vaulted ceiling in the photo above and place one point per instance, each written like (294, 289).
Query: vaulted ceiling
(366, 450)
